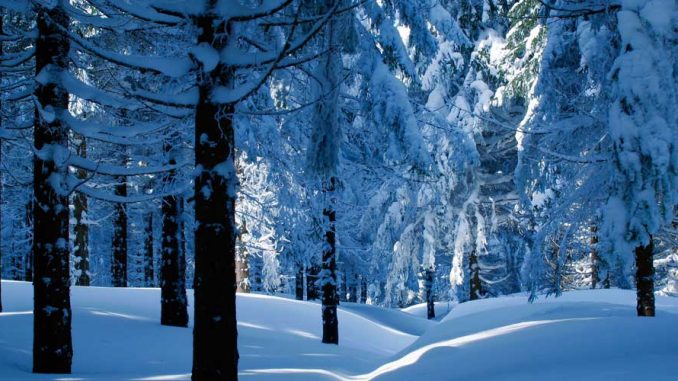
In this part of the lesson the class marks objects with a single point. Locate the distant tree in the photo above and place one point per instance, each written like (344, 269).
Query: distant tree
(174, 304)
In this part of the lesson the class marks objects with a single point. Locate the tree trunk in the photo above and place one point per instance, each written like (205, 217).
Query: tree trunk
(342, 292)
(173, 303)
(52, 343)
(149, 273)
(328, 275)
(242, 268)
(299, 284)
(119, 263)
(27, 266)
(311, 285)
(363, 290)
(645, 279)
(595, 259)
(353, 290)
(476, 286)
(81, 228)
(215, 348)
(428, 286)
(2, 31)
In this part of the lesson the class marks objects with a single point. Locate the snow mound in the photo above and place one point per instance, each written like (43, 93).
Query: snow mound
(117, 336)
(583, 335)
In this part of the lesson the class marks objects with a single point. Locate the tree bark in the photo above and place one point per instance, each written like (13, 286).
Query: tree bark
(27, 266)
(645, 279)
(328, 275)
(311, 285)
(52, 343)
(299, 284)
(173, 303)
(475, 283)
(363, 290)
(215, 348)
(428, 287)
(2, 31)
(119, 263)
(81, 228)
(353, 290)
(149, 273)
(242, 268)
(595, 259)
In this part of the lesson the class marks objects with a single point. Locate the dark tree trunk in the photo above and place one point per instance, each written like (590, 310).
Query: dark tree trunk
(81, 228)
(27, 264)
(428, 287)
(353, 290)
(215, 336)
(299, 284)
(173, 310)
(342, 289)
(475, 283)
(363, 290)
(52, 344)
(311, 283)
(328, 280)
(119, 263)
(242, 268)
(645, 279)
(595, 259)
(149, 273)
(2, 31)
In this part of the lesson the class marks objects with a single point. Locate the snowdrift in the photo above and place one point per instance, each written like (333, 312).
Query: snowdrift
(588, 335)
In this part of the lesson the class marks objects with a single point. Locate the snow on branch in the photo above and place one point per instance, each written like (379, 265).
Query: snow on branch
(233, 11)
(171, 66)
(116, 170)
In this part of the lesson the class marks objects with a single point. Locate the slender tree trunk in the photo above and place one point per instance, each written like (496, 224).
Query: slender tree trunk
(363, 290)
(149, 273)
(353, 290)
(428, 287)
(119, 263)
(476, 285)
(328, 275)
(27, 264)
(645, 279)
(174, 305)
(342, 289)
(299, 284)
(215, 348)
(242, 268)
(2, 31)
(595, 259)
(81, 228)
(52, 343)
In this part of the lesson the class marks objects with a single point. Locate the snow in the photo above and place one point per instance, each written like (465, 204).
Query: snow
(587, 335)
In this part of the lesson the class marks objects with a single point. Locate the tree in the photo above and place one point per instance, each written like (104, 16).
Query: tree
(149, 273)
(174, 304)
(52, 344)
(323, 160)
(642, 125)
(119, 241)
(81, 249)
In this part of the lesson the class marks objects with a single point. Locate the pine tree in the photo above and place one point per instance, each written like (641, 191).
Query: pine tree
(119, 240)
(173, 300)
(52, 344)
(81, 228)
(149, 271)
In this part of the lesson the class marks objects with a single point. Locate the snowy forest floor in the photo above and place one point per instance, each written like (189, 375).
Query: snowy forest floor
(583, 335)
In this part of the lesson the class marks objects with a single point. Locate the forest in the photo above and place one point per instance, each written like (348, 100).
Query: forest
(238, 189)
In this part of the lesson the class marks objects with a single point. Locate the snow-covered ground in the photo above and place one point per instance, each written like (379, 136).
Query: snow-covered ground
(584, 335)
